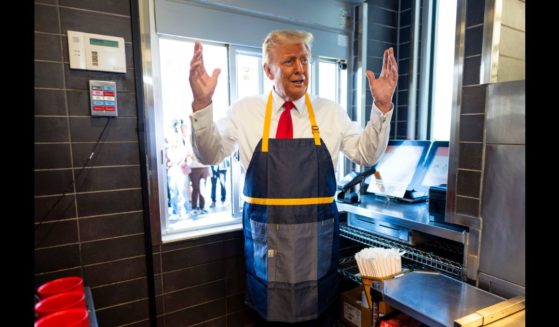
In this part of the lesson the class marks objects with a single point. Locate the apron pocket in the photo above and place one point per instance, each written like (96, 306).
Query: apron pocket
(257, 249)
(295, 248)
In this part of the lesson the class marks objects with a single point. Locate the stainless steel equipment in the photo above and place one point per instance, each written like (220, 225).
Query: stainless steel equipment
(438, 300)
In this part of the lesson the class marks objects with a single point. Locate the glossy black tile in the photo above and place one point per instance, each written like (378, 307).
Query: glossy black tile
(111, 226)
(111, 202)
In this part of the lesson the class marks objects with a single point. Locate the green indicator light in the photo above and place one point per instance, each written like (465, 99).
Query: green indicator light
(105, 43)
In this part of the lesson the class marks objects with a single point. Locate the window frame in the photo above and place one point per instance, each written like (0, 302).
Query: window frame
(153, 143)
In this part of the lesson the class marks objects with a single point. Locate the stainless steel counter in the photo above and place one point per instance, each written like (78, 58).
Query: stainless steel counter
(438, 300)
(414, 216)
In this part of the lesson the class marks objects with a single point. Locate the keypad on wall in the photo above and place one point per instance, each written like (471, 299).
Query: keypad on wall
(102, 95)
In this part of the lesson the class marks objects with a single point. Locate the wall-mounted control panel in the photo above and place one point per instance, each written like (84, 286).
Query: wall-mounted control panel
(96, 52)
(102, 96)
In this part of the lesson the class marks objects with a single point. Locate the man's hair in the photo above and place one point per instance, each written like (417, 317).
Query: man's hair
(281, 37)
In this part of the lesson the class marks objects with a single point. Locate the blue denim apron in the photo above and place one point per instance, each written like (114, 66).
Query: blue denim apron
(291, 226)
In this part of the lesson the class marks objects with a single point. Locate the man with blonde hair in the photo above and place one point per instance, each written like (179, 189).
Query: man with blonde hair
(290, 219)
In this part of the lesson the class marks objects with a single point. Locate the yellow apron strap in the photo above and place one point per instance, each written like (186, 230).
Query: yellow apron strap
(289, 201)
(314, 126)
(268, 119)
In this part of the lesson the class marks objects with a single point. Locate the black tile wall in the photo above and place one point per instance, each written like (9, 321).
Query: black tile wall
(56, 233)
(115, 271)
(470, 143)
(104, 203)
(97, 232)
(57, 258)
(475, 10)
(48, 74)
(200, 241)
(471, 69)
(470, 156)
(403, 79)
(95, 22)
(242, 318)
(380, 15)
(467, 206)
(471, 128)
(403, 66)
(113, 294)
(385, 4)
(52, 2)
(87, 129)
(473, 99)
(403, 97)
(200, 274)
(382, 31)
(53, 155)
(111, 6)
(51, 129)
(53, 182)
(46, 19)
(196, 314)
(121, 314)
(200, 255)
(405, 34)
(47, 47)
(110, 226)
(98, 179)
(106, 154)
(401, 130)
(50, 102)
(112, 249)
(55, 207)
(473, 40)
(404, 50)
(194, 295)
(468, 183)
(405, 17)
(143, 323)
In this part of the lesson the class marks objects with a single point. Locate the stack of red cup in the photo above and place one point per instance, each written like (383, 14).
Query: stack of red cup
(62, 304)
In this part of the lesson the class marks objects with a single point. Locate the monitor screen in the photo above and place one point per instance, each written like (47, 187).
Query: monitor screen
(435, 168)
(396, 168)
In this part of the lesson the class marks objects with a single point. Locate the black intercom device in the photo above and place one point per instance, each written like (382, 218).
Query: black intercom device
(346, 194)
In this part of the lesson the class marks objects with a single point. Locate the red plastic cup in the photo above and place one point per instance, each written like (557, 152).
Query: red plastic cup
(60, 285)
(65, 318)
(59, 302)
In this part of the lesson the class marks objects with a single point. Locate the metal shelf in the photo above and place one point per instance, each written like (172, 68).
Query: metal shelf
(347, 267)
(422, 258)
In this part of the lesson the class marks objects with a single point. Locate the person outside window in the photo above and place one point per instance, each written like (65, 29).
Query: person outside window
(219, 175)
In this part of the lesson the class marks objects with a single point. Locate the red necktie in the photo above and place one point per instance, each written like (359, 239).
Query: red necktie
(285, 125)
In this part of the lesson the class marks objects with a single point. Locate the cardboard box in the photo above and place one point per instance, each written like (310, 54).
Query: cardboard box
(352, 312)
(356, 313)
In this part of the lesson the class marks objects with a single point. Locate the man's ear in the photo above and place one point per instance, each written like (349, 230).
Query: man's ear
(268, 71)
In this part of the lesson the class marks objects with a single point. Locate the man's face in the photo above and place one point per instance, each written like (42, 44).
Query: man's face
(289, 69)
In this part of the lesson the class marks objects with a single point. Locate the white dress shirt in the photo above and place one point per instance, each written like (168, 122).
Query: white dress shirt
(244, 124)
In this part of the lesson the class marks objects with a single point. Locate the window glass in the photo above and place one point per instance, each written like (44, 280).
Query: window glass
(185, 175)
(192, 187)
(443, 69)
(332, 85)
(248, 75)
(327, 72)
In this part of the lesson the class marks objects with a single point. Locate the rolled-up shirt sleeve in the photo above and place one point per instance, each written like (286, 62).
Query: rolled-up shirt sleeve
(212, 142)
(365, 147)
